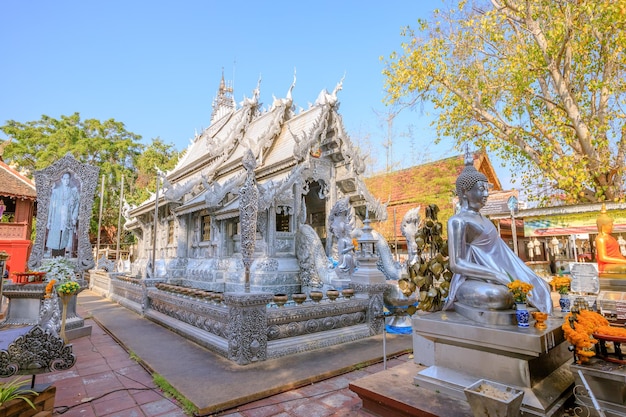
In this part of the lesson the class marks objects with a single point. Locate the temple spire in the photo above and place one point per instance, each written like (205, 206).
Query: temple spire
(224, 102)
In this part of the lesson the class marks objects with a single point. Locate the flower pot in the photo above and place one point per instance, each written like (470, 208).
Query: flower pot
(522, 315)
(299, 298)
(316, 296)
(280, 299)
(332, 294)
(564, 303)
(491, 399)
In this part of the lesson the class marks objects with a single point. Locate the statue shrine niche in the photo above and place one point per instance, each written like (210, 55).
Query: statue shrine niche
(65, 195)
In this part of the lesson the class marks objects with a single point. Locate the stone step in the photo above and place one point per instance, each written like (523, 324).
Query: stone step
(392, 393)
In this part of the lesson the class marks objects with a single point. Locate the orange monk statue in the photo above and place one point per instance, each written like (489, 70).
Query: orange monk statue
(610, 260)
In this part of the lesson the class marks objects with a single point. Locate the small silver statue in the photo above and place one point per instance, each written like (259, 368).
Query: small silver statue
(482, 262)
(341, 226)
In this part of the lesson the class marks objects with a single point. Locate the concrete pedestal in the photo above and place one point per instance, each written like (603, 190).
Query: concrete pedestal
(24, 308)
(457, 352)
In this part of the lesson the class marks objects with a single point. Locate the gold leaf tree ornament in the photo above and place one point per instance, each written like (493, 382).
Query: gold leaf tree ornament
(429, 272)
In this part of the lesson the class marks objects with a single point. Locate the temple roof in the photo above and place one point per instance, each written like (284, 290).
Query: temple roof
(15, 184)
(280, 140)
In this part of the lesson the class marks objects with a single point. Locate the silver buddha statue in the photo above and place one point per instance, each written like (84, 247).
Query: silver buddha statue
(481, 261)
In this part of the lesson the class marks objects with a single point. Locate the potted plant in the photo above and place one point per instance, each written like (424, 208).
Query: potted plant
(562, 285)
(14, 390)
(520, 291)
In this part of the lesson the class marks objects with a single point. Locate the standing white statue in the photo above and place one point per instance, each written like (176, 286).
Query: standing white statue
(62, 217)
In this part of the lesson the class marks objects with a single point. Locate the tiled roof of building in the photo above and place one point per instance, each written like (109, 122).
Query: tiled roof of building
(423, 185)
(14, 184)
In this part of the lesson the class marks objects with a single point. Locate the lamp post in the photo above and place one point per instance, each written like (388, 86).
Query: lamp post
(512, 203)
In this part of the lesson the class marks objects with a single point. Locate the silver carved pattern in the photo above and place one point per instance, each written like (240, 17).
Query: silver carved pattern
(376, 311)
(45, 179)
(310, 139)
(210, 318)
(129, 291)
(314, 325)
(50, 314)
(267, 265)
(312, 259)
(248, 207)
(36, 352)
(247, 330)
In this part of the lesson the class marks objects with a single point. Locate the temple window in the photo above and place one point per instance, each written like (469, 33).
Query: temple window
(170, 232)
(283, 219)
(206, 228)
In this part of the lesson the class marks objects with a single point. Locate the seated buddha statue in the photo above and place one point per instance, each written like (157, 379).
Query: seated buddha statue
(610, 260)
(482, 263)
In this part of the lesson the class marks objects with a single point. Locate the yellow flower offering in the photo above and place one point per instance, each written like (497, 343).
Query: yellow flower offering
(520, 290)
(561, 284)
(68, 288)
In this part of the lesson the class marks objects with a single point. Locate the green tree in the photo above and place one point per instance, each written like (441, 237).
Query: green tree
(107, 144)
(157, 154)
(538, 82)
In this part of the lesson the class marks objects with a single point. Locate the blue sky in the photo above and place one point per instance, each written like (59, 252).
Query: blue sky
(156, 65)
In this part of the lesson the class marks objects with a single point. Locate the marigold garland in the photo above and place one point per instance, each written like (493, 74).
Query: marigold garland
(584, 323)
(611, 331)
(50, 288)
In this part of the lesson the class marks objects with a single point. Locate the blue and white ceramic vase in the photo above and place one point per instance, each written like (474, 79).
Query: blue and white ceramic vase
(564, 303)
(522, 315)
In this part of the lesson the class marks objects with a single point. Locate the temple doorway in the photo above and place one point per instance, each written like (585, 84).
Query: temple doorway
(316, 210)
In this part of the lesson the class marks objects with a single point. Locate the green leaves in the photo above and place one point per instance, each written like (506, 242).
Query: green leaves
(541, 84)
(14, 389)
(106, 144)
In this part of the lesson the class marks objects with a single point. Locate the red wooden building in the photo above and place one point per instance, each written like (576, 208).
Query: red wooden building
(433, 183)
(18, 196)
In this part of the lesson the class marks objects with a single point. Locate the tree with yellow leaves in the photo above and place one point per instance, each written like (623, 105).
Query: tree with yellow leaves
(541, 83)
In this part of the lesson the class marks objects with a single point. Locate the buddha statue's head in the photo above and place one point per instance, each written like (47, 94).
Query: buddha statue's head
(604, 219)
(468, 177)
